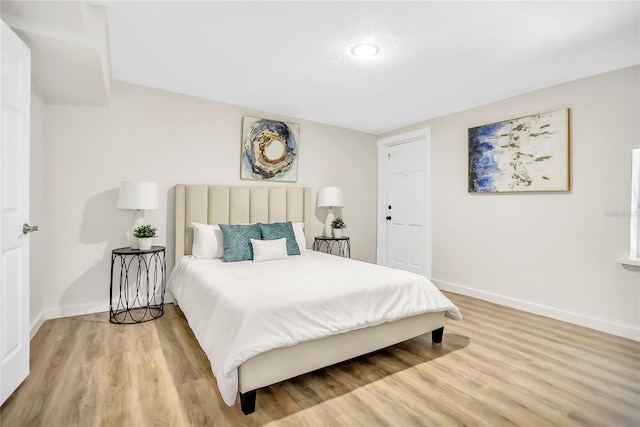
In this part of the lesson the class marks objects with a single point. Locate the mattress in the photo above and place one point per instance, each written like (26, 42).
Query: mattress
(240, 309)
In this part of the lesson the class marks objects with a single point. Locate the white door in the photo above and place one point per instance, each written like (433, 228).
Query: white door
(404, 194)
(15, 91)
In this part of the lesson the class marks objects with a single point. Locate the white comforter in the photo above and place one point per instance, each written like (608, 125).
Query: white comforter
(240, 309)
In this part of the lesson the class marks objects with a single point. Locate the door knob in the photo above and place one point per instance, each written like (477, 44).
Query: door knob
(388, 218)
(26, 228)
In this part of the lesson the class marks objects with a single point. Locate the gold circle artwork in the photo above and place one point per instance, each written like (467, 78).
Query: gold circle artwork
(269, 150)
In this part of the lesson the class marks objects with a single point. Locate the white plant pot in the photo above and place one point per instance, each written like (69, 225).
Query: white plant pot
(144, 243)
(337, 233)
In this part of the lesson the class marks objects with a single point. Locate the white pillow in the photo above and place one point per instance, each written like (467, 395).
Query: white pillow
(269, 250)
(298, 231)
(207, 241)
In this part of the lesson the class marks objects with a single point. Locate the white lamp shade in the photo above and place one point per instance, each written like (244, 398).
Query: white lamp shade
(330, 196)
(138, 195)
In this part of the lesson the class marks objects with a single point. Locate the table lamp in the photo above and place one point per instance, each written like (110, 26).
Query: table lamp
(330, 197)
(138, 196)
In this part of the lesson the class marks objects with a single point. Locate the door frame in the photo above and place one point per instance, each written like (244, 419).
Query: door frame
(423, 134)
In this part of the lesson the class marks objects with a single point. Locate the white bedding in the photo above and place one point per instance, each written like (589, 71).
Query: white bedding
(240, 309)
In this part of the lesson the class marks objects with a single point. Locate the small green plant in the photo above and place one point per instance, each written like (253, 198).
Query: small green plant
(145, 231)
(338, 223)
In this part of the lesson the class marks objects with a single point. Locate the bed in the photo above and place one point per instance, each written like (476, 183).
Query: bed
(309, 342)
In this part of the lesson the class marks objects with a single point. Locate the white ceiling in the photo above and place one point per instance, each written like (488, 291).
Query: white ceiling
(293, 58)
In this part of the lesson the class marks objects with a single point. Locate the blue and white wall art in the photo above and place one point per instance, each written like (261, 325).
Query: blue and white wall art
(269, 150)
(525, 154)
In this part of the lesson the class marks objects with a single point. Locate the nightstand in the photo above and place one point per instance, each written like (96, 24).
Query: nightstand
(326, 244)
(140, 295)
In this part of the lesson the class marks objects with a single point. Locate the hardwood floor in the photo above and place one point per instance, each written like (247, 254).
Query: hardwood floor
(497, 367)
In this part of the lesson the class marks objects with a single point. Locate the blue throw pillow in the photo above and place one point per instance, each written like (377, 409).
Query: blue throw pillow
(278, 230)
(237, 241)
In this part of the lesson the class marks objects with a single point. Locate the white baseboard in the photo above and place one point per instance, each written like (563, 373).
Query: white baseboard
(35, 326)
(625, 331)
(75, 310)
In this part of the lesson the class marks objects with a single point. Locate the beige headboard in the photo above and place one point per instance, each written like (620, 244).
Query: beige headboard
(222, 204)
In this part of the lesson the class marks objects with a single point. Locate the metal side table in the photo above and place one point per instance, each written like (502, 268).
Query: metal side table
(140, 295)
(326, 244)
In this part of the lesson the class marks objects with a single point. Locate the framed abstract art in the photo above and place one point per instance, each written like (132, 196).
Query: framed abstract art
(269, 150)
(527, 154)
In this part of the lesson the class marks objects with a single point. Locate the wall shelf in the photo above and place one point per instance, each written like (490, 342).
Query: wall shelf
(630, 261)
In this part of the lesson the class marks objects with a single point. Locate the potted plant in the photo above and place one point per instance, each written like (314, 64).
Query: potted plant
(337, 225)
(145, 235)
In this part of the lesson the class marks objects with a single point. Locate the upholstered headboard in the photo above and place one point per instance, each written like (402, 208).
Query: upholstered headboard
(222, 204)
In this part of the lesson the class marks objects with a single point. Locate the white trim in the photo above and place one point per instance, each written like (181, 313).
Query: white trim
(634, 250)
(423, 134)
(403, 138)
(78, 310)
(626, 331)
(35, 326)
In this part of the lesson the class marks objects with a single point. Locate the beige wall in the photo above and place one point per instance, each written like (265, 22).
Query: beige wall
(152, 135)
(553, 254)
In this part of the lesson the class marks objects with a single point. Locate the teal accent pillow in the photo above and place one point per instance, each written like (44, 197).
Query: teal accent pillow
(237, 241)
(278, 230)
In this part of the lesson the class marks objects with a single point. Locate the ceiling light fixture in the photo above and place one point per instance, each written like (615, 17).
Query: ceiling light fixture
(365, 50)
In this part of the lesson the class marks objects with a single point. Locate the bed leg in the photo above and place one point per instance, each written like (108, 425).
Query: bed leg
(436, 336)
(248, 402)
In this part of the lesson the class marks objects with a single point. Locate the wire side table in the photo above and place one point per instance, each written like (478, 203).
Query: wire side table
(140, 296)
(343, 244)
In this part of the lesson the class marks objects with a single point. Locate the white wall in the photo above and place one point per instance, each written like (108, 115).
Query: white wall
(552, 254)
(37, 246)
(152, 135)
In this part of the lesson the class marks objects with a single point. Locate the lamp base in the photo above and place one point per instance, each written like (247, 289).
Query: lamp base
(327, 223)
(138, 220)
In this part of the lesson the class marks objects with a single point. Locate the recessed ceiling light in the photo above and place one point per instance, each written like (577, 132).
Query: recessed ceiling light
(365, 50)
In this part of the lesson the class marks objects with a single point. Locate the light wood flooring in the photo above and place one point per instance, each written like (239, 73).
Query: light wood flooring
(497, 367)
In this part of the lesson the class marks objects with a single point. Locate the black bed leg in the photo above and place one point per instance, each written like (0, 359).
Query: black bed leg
(436, 336)
(248, 402)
